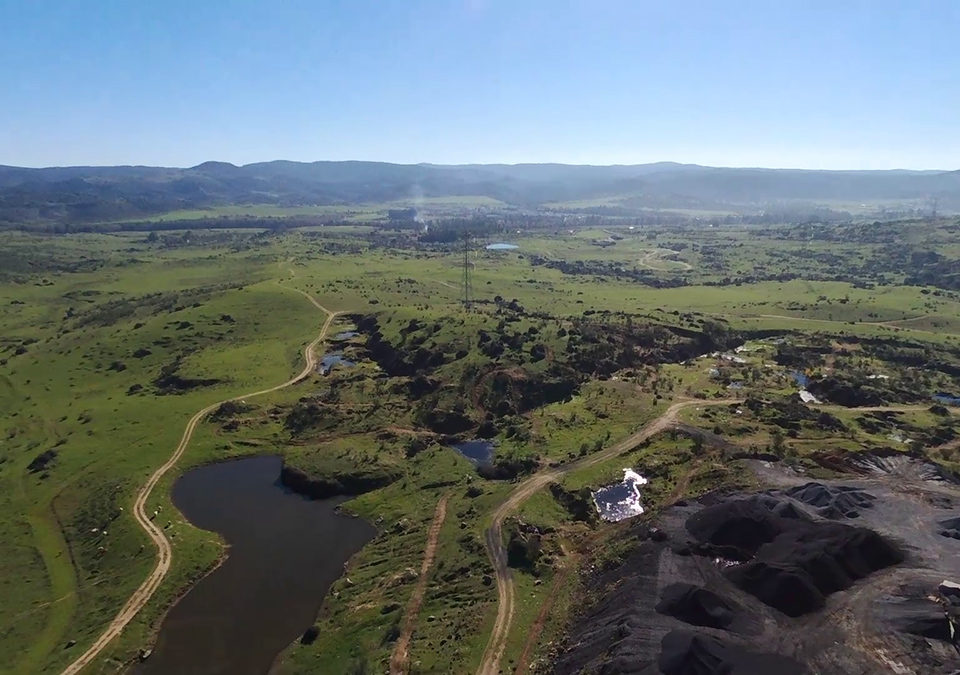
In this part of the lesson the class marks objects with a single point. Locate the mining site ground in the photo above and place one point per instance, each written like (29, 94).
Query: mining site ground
(860, 629)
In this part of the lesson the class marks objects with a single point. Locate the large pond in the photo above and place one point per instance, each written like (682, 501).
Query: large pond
(501, 246)
(285, 552)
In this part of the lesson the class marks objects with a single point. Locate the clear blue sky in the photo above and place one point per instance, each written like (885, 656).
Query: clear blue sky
(818, 84)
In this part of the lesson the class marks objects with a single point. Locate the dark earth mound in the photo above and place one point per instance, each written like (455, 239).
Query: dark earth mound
(737, 528)
(794, 562)
(918, 616)
(684, 652)
(696, 605)
(950, 527)
(833, 501)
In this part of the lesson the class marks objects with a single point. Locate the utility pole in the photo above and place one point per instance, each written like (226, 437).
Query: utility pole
(467, 283)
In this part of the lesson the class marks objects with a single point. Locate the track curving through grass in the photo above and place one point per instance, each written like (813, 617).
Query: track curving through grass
(145, 591)
(490, 664)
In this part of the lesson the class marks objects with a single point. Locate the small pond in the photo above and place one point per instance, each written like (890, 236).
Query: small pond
(621, 500)
(477, 451)
(284, 552)
(800, 378)
(947, 399)
(501, 246)
(328, 361)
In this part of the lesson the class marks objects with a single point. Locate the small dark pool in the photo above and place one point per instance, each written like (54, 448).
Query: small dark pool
(800, 378)
(477, 451)
(284, 553)
(328, 361)
(947, 399)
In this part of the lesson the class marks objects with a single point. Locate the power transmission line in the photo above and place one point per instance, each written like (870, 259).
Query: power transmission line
(467, 283)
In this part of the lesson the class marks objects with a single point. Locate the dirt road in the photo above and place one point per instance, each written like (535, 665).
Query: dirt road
(490, 665)
(146, 590)
(568, 566)
(893, 407)
(400, 658)
(656, 255)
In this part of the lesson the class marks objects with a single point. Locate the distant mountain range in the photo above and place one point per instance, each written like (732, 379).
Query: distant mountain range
(94, 194)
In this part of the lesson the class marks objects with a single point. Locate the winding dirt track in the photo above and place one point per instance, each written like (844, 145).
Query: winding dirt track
(400, 658)
(490, 665)
(146, 590)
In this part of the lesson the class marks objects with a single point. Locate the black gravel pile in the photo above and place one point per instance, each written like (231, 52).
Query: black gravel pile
(833, 501)
(736, 528)
(793, 563)
(919, 616)
(697, 605)
(950, 527)
(684, 652)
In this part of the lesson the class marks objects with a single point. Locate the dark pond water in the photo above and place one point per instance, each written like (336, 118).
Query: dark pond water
(477, 451)
(800, 378)
(335, 359)
(947, 399)
(285, 551)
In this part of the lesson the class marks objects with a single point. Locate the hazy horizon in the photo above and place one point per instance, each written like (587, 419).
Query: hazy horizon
(466, 164)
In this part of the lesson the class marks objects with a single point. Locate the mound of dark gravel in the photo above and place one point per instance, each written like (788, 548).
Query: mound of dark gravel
(793, 562)
(919, 616)
(737, 528)
(833, 501)
(950, 527)
(684, 652)
(696, 605)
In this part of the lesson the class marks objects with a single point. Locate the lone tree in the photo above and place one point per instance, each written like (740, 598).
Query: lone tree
(776, 443)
